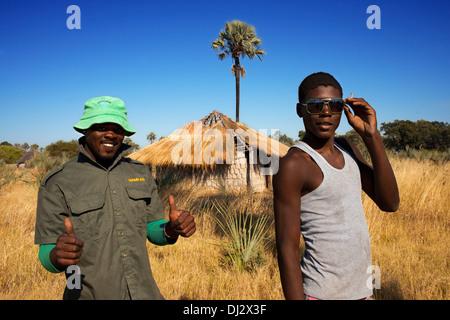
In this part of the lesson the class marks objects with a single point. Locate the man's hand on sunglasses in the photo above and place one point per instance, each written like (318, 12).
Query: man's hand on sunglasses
(363, 119)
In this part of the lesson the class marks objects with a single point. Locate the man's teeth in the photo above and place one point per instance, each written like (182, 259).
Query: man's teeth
(108, 145)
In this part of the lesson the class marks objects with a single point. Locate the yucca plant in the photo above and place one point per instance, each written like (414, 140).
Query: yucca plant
(245, 234)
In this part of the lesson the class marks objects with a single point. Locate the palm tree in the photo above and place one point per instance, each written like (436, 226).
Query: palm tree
(151, 137)
(238, 40)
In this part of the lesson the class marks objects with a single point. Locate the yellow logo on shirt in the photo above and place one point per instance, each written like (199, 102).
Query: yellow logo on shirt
(136, 179)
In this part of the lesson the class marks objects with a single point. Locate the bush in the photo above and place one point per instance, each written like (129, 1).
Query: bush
(43, 164)
(245, 233)
(9, 154)
(56, 149)
(7, 173)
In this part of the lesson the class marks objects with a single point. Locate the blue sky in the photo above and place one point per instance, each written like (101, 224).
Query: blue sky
(157, 57)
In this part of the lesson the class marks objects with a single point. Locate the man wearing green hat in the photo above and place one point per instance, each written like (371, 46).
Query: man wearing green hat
(95, 212)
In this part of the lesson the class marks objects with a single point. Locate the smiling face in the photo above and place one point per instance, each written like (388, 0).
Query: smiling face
(103, 141)
(321, 126)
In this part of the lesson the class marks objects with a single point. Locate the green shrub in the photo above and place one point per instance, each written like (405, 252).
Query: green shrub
(9, 154)
(56, 149)
(246, 234)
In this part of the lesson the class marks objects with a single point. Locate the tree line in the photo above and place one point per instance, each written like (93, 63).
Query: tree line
(399, 135)
(11, 153)
(402, 134)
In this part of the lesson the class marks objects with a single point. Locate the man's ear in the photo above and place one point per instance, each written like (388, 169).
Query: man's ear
(299, 110)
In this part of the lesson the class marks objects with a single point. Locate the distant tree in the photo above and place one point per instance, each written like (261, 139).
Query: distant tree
(133, 146)
(286, 140)
(283, 138)
(356, 139)
(151, 137)
(10, 154)
(6, 143)
(34, 146)
(301, 134)
(399, 134)
(433, 135)
(417, 135)
(56, 149)
(25, 146)
(238, 39)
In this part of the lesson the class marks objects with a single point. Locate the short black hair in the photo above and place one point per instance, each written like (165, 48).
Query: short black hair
(313, 81)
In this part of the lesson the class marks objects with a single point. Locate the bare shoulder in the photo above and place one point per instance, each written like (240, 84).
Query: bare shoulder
(294, 161)
(292, 170)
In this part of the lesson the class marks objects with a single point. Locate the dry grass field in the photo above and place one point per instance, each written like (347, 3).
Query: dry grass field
(410, 247)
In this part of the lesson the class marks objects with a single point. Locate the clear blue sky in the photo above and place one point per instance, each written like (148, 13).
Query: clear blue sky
(157, 57)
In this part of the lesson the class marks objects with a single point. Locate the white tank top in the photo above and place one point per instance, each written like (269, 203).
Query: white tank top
(336, 263)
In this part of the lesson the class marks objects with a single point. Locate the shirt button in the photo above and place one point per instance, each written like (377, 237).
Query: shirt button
(128, 276)
(125, 255)
(117, 213)
(121, 234)
(114, 192)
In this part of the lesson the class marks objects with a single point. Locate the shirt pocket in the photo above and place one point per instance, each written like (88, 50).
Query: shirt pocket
(89, 218)
(139, 197)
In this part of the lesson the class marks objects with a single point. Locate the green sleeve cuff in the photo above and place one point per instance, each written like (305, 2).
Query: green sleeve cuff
(155, 233)
(44, 257)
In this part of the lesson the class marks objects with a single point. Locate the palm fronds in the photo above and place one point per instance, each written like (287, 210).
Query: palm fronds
(238, 39)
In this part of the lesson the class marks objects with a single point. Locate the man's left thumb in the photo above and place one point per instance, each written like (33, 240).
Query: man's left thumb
(172, 205)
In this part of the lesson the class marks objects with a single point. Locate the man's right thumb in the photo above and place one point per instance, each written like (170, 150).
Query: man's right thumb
(69, 227)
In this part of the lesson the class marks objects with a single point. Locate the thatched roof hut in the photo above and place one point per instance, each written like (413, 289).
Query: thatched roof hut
(26, 157)
(216, 150)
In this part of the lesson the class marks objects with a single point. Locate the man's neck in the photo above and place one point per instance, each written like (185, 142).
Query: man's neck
(320, 145)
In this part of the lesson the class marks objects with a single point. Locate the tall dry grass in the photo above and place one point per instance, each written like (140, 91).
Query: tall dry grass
(410, 247)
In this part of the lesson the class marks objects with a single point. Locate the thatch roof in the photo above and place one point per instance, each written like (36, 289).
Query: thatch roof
(27, 156)
(216, 135)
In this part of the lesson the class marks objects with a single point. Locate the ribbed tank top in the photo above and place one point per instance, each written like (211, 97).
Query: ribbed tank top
(337, 258)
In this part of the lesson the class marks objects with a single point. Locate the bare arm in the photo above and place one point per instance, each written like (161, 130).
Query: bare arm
(287, 192)
(378, 182)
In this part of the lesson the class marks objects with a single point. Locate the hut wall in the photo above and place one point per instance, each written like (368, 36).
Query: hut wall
(258, 181)
(234, 177)
(228, 177)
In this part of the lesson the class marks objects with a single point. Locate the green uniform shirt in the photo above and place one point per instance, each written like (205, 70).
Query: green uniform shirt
(109, 209)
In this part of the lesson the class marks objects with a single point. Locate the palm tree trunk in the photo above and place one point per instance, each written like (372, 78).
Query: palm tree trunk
(237, 73)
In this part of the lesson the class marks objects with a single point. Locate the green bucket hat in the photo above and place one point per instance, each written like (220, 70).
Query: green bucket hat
(103, 110)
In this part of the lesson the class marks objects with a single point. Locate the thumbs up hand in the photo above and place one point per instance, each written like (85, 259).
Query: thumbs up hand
(180, 222)
(68, 248)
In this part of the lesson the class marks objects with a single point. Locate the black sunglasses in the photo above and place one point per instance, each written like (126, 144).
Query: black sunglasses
(316, 106)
